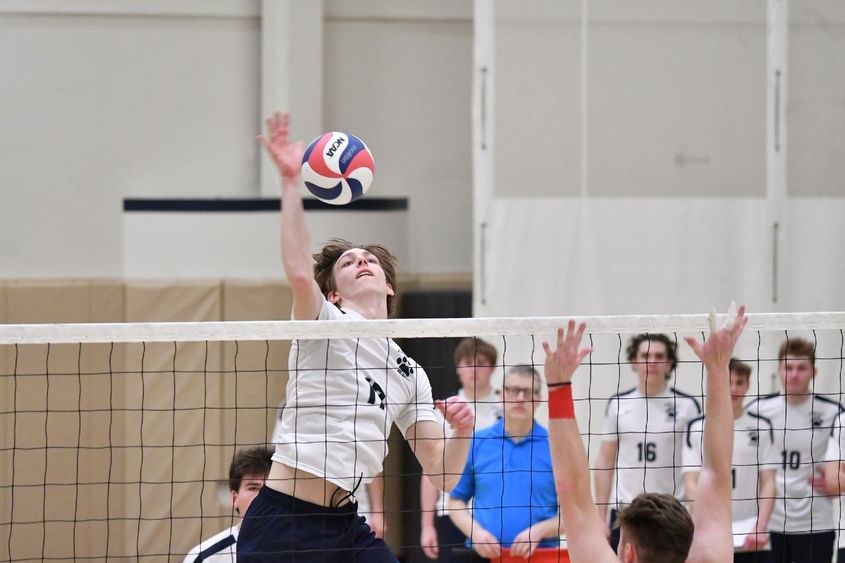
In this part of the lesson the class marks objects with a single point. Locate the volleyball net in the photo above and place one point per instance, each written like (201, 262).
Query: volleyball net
(117, 438)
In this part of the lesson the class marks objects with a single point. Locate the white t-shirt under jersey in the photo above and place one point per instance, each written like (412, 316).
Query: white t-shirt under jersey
(802, 433)
(650, 432)
(341, 399)
(753, 451)
(219, 548)
(487, 409)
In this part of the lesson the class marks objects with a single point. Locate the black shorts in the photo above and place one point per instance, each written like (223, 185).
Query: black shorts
(802, 548)
(278, 527)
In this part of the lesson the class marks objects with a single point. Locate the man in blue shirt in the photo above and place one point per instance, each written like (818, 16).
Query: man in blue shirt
(509, 478)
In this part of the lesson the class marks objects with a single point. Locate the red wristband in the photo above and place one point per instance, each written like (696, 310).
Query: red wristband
(560, 403)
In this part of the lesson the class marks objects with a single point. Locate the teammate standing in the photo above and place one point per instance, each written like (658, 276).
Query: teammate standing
(752, 474)
(642, 438)
(475, 362)
(341, 399)
(802, 521)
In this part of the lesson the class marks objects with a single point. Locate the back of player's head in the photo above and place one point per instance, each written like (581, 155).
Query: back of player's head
(249, 461)
(671, 347)
(658, 527)
(739, 368)
(797, 348)
(469, 348)
(334, 249)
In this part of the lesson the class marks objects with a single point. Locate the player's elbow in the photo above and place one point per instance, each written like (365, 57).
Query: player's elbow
(447, 483)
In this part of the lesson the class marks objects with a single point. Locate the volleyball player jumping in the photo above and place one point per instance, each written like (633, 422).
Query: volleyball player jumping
(654, 527)
(342, 398)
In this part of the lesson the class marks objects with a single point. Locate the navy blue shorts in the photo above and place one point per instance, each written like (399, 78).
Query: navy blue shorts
(279, 527)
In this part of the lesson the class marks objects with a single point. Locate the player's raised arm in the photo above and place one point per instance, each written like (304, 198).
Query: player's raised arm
(296, 244)
(585, 532)
(713, 539)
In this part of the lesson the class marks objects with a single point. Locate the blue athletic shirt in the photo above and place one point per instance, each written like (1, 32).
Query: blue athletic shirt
(512, 483)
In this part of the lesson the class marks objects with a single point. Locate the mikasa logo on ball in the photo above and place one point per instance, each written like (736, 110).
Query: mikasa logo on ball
(332, 149)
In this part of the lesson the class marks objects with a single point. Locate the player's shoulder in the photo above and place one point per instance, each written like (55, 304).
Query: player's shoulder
(760, 420)
(680, 395)
(613, 400)
(223, 541)
(764, 401)
(831, 404)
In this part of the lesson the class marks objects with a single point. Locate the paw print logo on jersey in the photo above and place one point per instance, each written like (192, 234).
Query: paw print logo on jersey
(753, 437)
(670, 412)
(404, 366)
(817, 419)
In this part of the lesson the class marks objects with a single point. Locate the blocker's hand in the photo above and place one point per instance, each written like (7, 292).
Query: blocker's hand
(287, 156)
(716, 351)
(562, 362)
(458, 414)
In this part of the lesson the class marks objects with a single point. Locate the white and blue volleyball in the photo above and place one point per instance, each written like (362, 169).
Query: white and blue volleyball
(337, 168)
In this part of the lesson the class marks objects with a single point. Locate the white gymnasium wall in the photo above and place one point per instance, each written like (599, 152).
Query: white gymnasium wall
(113, 99)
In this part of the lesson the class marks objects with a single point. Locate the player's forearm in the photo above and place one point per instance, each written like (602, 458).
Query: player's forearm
(376, 492)
(296, 244)
(834, 474)
(548, 528)
(461, 517)
(452, 462)
(717, 440)
(428, 502)
(573, 480)
(766, 500)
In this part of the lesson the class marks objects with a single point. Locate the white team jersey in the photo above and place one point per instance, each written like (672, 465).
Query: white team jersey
(487, 409)
(341, 399)
(801, 435)
(650, 434)
(835, 449)
(218, 548)
(753, 451)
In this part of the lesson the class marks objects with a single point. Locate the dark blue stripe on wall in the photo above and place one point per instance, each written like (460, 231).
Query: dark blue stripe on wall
(257, 205)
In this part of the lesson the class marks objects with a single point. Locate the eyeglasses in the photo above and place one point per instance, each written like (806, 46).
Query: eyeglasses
(515, 391)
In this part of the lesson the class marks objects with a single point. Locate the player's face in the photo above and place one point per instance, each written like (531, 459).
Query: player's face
(357, 272)
(739, 387)
(242, 498)
(796, 374)
(652, 364)
(474, 372)
(520, 397)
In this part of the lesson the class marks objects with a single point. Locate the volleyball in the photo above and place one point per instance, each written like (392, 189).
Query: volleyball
(337, 168)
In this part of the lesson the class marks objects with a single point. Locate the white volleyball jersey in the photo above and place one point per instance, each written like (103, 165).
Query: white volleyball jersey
(835, 449)
(753, 451)
(219, 548)
(801, 435)
(341, 399)
(487, 409)
(650, 433)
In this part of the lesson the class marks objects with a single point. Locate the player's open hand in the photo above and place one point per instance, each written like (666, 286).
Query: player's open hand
(287, 156)
(717, 350)
(562, 362)
(458, 414)
(525, 543)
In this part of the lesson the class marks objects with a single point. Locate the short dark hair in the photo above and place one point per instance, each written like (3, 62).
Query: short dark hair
(659, 527)
(671, 348)
(798, 348)
(469, 348)
(334, 249)
(249, 461)
(740, 368)
(526, 370)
